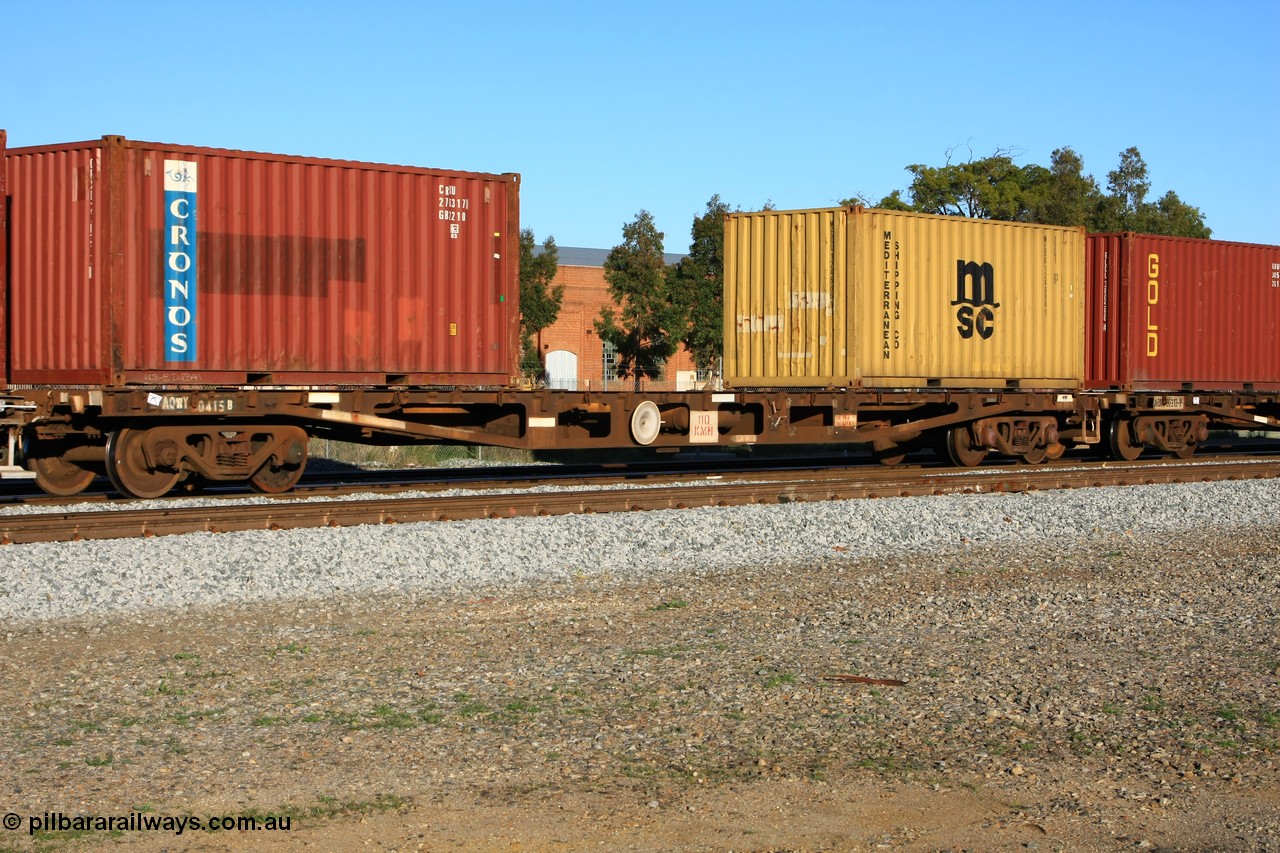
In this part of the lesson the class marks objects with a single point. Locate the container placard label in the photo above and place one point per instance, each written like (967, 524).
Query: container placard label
(179, 260)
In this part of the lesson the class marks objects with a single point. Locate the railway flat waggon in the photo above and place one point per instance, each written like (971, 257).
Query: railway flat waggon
(176, 315)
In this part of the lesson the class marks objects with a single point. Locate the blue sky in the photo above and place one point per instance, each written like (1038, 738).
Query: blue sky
(608, 108)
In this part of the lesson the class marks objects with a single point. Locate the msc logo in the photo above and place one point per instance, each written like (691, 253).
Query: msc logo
(976, 296)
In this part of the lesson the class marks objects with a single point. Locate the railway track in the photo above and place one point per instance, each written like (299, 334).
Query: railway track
(339, 481)
(679, 490)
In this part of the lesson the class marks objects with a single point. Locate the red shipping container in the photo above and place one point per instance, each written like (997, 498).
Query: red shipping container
(146, 263)
(4, 258)
(1177, 314)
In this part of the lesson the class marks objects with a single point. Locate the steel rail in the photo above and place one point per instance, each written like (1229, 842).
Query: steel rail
(338, 483)
(816, 486)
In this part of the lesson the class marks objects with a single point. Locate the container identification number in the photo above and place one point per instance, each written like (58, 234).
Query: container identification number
(1275, 275)
(183, 403)
(452, 208)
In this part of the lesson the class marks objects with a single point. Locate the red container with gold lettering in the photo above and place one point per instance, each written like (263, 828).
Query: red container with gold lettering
(1176, 314)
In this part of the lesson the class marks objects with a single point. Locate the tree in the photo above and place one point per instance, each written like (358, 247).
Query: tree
(1062, 194)
(651, 322)
(1127, 208)
(987, 188)
(698, 284)
(1175, 218)
(539, 301)
(893, 201)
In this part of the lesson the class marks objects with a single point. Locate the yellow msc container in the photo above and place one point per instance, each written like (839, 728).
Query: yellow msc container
(857, 297)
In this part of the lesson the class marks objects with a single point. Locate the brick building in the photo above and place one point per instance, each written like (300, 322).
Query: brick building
(573, 355)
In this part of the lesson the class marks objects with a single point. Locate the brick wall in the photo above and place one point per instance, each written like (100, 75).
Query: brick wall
(585, 294)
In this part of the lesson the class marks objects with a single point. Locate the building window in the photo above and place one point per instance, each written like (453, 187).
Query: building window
(610, 364)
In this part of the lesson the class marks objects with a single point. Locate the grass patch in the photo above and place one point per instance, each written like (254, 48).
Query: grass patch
(659, 652)
(514, 712)
(166, 688)
(47, 839)
(673, 604)
(471, 709)
(1153, 702)
(386, 717)
(183, 718)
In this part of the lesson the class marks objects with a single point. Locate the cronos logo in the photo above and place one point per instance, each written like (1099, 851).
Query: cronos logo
(179, 260)
(976, 296)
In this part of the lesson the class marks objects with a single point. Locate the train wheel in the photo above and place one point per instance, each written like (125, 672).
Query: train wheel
(961, 450)
(1055, 451)
(192, 484)
(888, 452)
(272, 479)
(1186, 451)
(1122, 444)
(1035, 455)
(128, 470)
(59, 477)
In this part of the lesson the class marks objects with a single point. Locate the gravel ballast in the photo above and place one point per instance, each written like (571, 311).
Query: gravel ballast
(55, 580)
(1078, 670)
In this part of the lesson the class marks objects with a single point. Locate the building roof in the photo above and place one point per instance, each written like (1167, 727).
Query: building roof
(570, 256)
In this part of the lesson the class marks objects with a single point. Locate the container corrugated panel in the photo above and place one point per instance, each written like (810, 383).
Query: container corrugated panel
(55, 304)
(1173, 314)
(306, 271)
(902, 300)
(786, 317)
(961, 302)
(4, 263)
